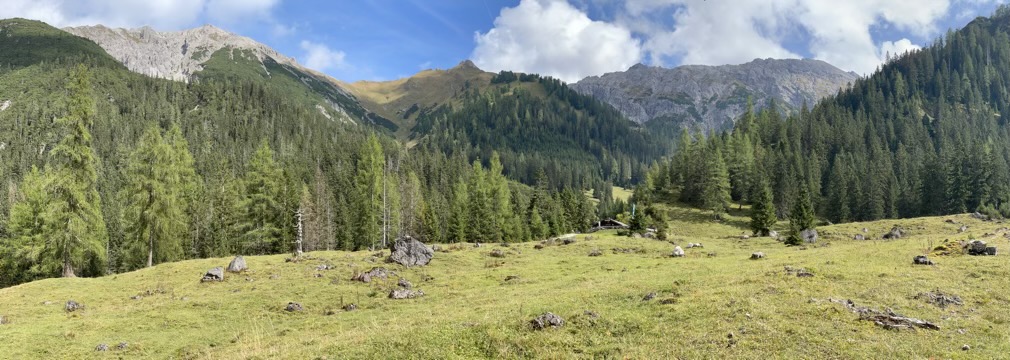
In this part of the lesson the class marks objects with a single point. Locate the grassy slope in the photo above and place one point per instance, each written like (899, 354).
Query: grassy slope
(427, 89)
(471, 312)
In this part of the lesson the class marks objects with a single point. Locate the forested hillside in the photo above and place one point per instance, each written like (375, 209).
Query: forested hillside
(927, 134)
(109, 171)
(539, 123)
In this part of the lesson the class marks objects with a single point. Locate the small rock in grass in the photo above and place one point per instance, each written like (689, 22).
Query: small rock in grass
(73, 306)
(596, 252)
(649, 296)
(399, 294)
(350, 307)
(374, 273)
(966, 347)
(215, 274)
(237, 265)
(102, 347)
(3, 320)
(404, 283)
(293, 306)
(921, 260)
(512, 277)
(568, 241)
(538, 246)
(677, 252)
(547, 320)
(758, 255)
(122, 346)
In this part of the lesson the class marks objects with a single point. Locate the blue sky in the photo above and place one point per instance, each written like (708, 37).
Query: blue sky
(570, 39)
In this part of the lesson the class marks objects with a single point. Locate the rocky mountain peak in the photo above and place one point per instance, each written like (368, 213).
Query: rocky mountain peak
(174, 55)
(714, 96)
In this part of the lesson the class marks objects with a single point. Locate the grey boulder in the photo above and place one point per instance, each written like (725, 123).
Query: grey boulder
(408, 252)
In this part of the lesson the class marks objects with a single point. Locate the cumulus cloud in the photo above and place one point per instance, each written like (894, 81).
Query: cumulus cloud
(160, 14)
(552, 37)
(723, 31)
(320, 57)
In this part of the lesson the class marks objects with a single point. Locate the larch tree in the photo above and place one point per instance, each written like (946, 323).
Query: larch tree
(262, 203)
(154, 216)
(76, 235)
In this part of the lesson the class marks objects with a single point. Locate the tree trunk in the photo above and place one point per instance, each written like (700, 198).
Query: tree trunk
(150, 246)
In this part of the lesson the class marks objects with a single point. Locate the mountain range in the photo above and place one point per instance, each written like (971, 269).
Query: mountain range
(709, 96)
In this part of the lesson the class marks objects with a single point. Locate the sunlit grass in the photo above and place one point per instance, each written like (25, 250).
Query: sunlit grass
(470, 311)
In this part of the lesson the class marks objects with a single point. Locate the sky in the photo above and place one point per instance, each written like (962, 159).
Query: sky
(379, 40)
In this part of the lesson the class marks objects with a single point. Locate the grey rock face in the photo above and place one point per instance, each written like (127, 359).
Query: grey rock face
(174, 55)
(408, 252)
(714, 96)
(237, 265)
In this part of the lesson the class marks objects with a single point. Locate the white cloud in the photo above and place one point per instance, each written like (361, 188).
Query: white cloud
(320, 57)
(230, 11)
(721, 31)
(551, 37)
(160, 14)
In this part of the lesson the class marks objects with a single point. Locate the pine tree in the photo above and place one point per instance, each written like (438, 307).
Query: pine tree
(538, 228)
(154, 217)
(762, 217)
(76, 236)
(801, 218)
(262, 204)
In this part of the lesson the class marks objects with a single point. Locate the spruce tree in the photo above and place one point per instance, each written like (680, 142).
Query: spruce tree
(801, 218)
(76, 235)
(368, 194)
(762, 216)
(716, 186)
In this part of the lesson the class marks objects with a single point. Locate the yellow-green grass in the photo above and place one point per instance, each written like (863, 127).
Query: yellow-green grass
(622, 193)
(470, 311)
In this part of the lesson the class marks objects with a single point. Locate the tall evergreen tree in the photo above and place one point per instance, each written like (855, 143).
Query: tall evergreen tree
(716, 188)
(368, 194)
(77, 235)
(801, 218)
(20, 256)
(154, 218)
(762, 217)
(262, 204)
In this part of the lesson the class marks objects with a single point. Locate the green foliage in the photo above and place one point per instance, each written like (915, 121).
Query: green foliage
(262, 204)
(762, 216)
(76, 234)
(368, 194)
(801, 218)
(20, 253)
(154, 218)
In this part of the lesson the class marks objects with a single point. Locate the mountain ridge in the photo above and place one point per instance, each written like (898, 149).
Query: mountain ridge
(714, 96)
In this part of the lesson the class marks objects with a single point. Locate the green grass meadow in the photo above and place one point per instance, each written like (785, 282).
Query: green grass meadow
(471, 311)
